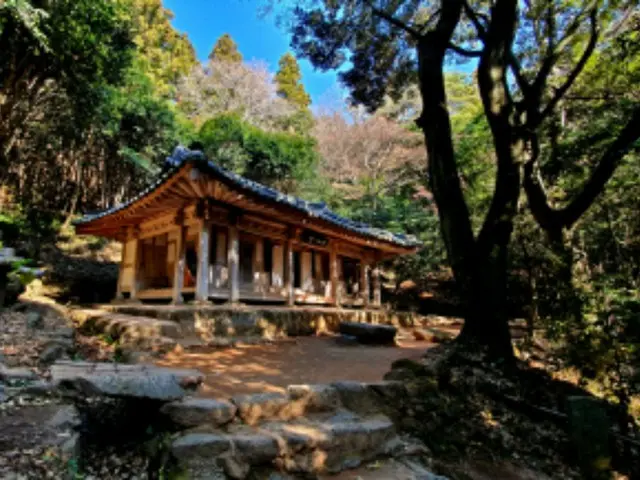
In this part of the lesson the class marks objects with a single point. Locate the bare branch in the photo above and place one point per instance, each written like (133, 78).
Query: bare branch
(475, 19)
(603, 172)
(465, 52)
(553, 220)
(394, 21)
(425, 26)
(559, 93)
(516, 69)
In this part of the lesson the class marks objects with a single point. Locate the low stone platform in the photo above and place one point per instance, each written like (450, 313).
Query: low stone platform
(263, 321)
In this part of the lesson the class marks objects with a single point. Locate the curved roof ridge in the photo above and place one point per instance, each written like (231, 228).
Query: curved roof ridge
(182, 155)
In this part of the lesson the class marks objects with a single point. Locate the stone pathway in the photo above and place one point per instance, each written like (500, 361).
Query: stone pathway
(270, 368)
(310, 429)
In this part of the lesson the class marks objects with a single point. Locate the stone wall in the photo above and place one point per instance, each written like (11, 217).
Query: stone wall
(274, 322)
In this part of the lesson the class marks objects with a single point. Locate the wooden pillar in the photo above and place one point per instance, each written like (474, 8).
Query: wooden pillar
(179, 264)
(133, 293)
(202, 275)
(306, 271)
(258, 266)
(377, 293)
(334, 276)
(288, 272)
(364, 282)
(233, 262)
(123, 260)
(277, 267)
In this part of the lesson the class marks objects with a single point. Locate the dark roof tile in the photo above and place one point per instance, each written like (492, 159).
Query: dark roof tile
(314, 209)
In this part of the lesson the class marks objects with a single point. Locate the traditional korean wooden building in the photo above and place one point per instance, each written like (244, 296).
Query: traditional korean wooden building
(201, 231)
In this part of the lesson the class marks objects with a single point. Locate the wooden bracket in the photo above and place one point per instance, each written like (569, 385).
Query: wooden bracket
(234, 216)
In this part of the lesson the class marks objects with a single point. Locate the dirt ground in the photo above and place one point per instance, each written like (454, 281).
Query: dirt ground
(270, 368)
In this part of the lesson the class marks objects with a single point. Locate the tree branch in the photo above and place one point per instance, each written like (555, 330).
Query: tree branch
(559, 93)
(393, 20)
(498, 106)
(554, 220)
(603, 172)
(475, 20)
(465, 52)
(516, 69)
(514, 63)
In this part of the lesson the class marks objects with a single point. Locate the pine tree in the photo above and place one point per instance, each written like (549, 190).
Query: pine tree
(289, 82)
(225, 50)
(164, 53)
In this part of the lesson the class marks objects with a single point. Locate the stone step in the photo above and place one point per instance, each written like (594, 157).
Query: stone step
(301, 400)
(119, 380)
(197, 344)
(306, 446)
(298, 401)
(129, 328)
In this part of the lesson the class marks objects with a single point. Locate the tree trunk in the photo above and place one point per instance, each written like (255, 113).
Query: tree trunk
(486, 309)
(76, 194)
(479, 268)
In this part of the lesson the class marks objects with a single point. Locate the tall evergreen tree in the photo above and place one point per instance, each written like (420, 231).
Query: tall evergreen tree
(225, 50)
(165, 54)
(289, 82)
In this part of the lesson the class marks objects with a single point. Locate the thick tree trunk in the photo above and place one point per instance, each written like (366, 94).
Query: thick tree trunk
(486, 310)
(479, 267)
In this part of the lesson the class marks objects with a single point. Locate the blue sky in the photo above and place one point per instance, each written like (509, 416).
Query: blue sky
(257, 37)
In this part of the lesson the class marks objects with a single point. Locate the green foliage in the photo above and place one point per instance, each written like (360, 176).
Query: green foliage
(289, 82)
(289, 85)
(139, 124)
(225, 50)
(28, 16)
(281, 160)
(43, 44)
(98, 115)
(164, 53)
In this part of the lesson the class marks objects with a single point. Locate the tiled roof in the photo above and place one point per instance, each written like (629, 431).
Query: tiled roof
(313, 209)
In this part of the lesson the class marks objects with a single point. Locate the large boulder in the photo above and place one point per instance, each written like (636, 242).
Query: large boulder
(118, 380)
(370, 334)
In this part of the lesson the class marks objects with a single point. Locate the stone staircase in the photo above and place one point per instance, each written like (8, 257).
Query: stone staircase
(309, 430)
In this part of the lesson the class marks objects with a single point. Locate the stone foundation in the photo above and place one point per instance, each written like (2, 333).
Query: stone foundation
(271, 322)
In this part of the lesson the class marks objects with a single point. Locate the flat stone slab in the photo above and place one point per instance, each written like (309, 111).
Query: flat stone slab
(191, 412)
(370, 334)
(305, 446)
(260, 406)
(17, 374)
(134, 327)
(194, 445)
(315, 398)
(118, 380)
